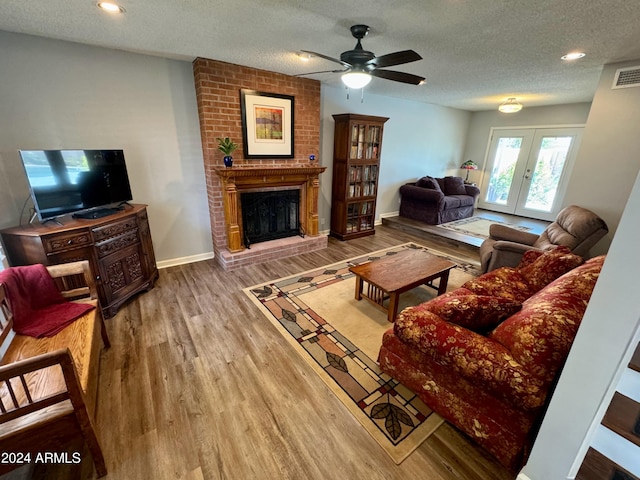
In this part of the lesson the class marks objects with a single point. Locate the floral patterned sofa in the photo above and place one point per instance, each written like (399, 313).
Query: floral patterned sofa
(486, 355)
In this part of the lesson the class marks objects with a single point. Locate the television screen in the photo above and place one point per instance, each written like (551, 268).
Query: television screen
(65, 181)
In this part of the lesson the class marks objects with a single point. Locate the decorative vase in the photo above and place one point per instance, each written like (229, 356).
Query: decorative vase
(228, 161)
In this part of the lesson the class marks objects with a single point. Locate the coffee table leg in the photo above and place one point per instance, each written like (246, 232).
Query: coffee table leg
(393, 306)
(444, 279)
(358, 287)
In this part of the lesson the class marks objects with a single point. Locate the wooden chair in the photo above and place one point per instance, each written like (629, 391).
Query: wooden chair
(48, 385)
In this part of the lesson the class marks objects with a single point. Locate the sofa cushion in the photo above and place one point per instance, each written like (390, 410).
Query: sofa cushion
(505, 282)
(465, 200)
(540, 335)
(548, 266)
(479, 313)
(474, 357)
(454, 186)
(529, 257)
(451, 201)
(428, 182)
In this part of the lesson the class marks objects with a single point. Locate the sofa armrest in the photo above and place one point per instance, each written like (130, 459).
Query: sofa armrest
(472, 191)
(512, 247)
(502, 232)
(422, 194)
(480, 360)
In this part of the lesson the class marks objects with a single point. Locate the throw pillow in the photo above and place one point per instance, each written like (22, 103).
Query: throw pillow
(454, 186)
(504, 282)
(549, 266)
(479, 313)
(529, 257)
(428, 182)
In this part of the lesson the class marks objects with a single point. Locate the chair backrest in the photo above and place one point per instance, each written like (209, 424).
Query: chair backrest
(6, 317)
(574, 227)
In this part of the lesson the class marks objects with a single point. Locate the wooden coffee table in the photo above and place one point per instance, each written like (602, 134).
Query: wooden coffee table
(392, 275)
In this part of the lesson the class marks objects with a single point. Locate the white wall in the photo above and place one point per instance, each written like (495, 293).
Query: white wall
(419, 139)
(482, 122)
(56, 94)
(601, 349)
(609, 156)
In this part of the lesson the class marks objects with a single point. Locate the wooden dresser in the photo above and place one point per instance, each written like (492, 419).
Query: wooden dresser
(118, 248)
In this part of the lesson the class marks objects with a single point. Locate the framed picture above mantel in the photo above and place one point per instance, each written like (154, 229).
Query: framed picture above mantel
(267, 124)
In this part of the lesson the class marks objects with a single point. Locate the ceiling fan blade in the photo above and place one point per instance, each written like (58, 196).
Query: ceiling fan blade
(398, 76)
(322, 71)
(331, 59)
(397, 58)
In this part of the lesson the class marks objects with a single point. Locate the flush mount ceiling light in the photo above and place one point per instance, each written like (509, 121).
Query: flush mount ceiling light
(304, 56)
(110, 7)
(510, 106)
(573, 56)
(355, 79)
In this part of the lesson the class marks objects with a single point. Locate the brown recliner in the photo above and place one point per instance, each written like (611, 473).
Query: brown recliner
(574, 227)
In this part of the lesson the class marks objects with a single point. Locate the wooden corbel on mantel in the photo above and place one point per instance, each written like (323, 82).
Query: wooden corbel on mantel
(238, 179)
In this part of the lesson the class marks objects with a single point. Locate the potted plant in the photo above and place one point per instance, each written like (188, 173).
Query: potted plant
(227, 146)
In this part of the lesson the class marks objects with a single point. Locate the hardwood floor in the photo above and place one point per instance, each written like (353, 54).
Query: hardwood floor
(467, 243)
(199, 385)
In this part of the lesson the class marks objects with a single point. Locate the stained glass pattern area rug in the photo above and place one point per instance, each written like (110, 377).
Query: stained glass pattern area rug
(477, 226)
(339, 338)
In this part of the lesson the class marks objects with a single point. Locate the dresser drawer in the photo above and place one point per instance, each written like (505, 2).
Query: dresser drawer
(62, 242)
(106, 247)
(113, 229)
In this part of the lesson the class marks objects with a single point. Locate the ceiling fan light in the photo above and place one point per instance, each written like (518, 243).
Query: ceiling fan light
(356, 79)
(111, 7)
(510, 106)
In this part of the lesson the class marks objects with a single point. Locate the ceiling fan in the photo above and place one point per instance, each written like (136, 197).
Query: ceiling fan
(360, 64)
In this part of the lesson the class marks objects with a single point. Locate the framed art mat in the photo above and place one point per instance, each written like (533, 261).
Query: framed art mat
(267, 124)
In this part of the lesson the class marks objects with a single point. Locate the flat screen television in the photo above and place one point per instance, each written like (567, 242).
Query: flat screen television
(85, 182)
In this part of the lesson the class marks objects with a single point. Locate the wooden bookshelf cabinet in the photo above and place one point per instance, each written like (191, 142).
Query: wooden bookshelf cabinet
(118, 248)
(356, 168)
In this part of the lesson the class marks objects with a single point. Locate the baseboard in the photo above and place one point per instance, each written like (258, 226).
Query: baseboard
(184, 260)
(389, 214)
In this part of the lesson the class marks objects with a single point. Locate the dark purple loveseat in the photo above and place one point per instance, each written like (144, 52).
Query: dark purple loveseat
(437, 200)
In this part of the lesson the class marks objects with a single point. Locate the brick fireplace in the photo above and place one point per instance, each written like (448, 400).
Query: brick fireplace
(218, 86)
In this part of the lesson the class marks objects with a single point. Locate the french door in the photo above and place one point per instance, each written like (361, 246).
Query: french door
(527, 170)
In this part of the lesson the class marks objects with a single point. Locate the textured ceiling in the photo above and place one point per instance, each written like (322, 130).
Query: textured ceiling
(475, 53)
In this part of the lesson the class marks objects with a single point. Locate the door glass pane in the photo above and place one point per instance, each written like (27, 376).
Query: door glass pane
(504, 165)
(547, 173)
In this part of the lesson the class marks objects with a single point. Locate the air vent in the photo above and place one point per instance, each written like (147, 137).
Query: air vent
(627, 77)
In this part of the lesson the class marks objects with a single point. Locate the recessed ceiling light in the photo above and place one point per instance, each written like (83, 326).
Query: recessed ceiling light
(304, 56)
(573, 56)
(111, 7)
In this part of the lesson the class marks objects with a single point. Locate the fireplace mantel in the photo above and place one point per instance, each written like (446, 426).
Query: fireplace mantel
(236, 179)
(269, 171)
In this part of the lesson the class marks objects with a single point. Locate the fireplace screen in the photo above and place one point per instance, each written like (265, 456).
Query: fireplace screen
(270, 215)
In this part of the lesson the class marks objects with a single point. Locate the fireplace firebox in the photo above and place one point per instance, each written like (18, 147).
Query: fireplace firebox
(270, 215)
